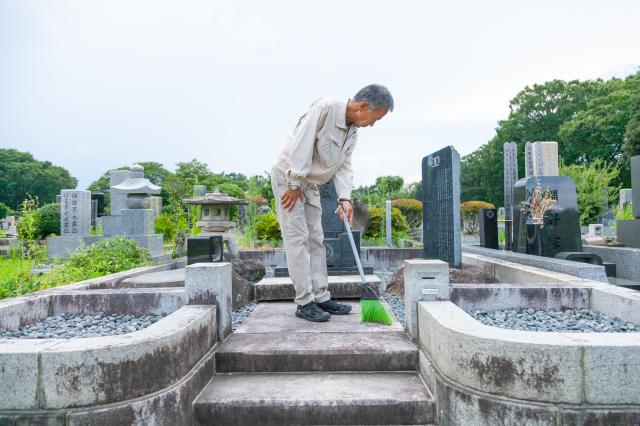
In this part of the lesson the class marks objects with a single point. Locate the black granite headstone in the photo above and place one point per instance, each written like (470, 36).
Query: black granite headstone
(99, 196)
(205, 249)
(340, 260)
(488, 221)
(561, 230)
(441, 211)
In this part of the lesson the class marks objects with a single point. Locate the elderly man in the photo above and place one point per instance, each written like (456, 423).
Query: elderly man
(318, 150)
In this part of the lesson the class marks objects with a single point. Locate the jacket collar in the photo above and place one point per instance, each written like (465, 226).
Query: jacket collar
(342, 115)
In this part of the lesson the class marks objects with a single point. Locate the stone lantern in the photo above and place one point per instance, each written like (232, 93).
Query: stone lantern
(215, 216)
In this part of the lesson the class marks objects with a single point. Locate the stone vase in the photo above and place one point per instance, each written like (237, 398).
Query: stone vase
(535, 236)
(138, 201)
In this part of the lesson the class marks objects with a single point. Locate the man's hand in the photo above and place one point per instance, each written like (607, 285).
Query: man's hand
(289, 198)
(345, 208)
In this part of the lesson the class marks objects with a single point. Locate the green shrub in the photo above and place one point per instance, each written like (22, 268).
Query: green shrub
(411, 209)
(267, 227)
(108, 256)
(165, 225)
(48, 220)
(399, 226)
(625, 214)
(4, 211)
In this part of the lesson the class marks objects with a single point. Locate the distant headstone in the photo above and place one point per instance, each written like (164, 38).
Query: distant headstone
(488, 221)
(58, 199)
(545, 159)
(528, 160)
(628, 231)
(635, 185)
(625, 198)
(501, 211)
(510, 154)
(387, 223)
(441, 212)
(75, 212)
(94, 212)
(99, 197)
(561, 230)
(199, 190)
(205, 249)
(155, 204)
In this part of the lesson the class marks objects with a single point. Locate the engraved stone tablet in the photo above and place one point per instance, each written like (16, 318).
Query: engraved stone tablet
(75, 212)
(441, 212)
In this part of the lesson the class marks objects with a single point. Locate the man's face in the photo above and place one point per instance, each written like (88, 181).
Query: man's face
(365, 118)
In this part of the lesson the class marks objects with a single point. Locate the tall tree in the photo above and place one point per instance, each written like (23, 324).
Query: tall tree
(21, 174)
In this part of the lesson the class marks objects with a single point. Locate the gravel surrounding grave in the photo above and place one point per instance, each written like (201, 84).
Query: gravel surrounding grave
(241, 314)
(571, 320)
(67, 326)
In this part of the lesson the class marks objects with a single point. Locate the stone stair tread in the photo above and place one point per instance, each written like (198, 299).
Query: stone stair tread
(340, 286)
(279, 317)
(316, 351)
(315, 398)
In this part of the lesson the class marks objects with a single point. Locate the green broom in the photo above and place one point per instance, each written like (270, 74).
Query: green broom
(371, 309)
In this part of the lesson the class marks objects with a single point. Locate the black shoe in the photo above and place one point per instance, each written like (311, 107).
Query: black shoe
(335, 308)
(311, 312)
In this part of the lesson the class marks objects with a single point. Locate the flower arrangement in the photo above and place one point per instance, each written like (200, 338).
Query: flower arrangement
(538, 204)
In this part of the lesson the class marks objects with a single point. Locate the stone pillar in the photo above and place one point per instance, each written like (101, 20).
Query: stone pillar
(207, 284)
(424, 280)
(387, 223)
(117, 198)
(510, 157)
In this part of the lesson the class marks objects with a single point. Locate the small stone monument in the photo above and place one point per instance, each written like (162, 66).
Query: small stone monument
(441, 208)
(155, 202)
(628, 231)
(75, 223)
(625, 198)
(528, 160)
(488, 221)
(215, 217)
(510, 155)
(541, 159)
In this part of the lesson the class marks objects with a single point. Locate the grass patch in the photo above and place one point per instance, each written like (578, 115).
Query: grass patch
(105, 257)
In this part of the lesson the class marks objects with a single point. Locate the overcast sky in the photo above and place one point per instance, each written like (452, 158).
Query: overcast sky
(94, 85)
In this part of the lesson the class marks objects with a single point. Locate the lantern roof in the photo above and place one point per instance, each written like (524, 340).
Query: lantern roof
(214, 198)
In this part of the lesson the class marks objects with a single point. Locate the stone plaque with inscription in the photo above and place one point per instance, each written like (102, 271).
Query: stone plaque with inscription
(75, 212)
(441, 208)
(510, 155)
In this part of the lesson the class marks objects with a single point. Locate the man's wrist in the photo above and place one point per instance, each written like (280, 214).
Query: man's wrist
(293, 186)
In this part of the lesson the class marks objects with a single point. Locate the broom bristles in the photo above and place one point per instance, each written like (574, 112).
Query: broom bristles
(374, 311)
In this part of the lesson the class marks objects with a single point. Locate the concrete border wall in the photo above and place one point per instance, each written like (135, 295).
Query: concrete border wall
(376, 257)
(627, 259)
(578, 269)
(64, 373)
(559, 368)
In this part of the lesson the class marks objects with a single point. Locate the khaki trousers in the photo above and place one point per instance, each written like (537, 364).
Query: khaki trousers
(303, 239)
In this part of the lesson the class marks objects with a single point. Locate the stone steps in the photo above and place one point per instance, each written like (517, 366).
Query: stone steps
(340, 287)
(277, 369)
(314, 398)
(280, 352)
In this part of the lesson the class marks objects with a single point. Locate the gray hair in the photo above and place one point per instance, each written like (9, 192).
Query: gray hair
(376, 95)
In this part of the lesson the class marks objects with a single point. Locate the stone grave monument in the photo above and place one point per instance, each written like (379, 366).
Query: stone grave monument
(541, 159)
(625, 198)
(75, 223)
(510, 153)
(215, 217)
(340, 260)
(155, 202)
(441, 206)
(488, 221)
(628, 231)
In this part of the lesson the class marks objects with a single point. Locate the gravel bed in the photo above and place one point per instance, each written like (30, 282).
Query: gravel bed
(241, 314)
(67, 326)
(571, 320)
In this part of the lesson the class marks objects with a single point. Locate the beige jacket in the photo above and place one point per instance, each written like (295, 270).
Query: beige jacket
(320, 147)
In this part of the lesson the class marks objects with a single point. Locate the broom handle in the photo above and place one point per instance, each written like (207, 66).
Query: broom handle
(353, 245)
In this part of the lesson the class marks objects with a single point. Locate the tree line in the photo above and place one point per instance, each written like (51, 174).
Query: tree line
(591, 120)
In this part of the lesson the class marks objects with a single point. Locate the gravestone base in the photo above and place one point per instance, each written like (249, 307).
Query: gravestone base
(629, 232)
(281, 272)
(137, 221)
(63, 246)
(111, 225)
